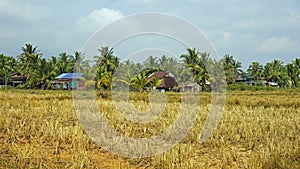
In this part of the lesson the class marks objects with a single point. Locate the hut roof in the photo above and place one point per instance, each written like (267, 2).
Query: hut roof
(69, 76)
(161, 74)
(168, 78)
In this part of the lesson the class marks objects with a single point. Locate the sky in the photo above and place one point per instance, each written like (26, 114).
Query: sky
(256, 30)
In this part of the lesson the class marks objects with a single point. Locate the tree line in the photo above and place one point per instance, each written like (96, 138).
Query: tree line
(106, 68)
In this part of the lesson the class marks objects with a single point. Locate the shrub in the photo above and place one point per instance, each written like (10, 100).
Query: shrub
(243, 87)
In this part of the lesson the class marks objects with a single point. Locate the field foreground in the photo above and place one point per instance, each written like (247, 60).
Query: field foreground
(39, 129)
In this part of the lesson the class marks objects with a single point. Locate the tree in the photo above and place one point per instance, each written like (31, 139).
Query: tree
(7, 66)
(155, 82)
(107, 60)
(191, 60)
(105, 81)
(28, 60)
(275, 72)
(255, 69)
(218, 78)
(296, 62)
(232, 68)
(126, 71)
(292, 72)
(150, 62)
(272, 70)
(197, 65)
(203, 75)
(43, 75)
(140, 81)
(79, 62)
(65, 63)
(106, 65)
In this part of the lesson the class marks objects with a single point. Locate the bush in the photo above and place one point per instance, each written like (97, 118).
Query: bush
(243, 87)
(6, 87)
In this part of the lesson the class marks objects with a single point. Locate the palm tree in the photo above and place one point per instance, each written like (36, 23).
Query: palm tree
(28, 60)
(237, 67)
(155, 82)
(203, 74)
(292, 72)
(232, 68)
(44, 74)
(107, 60)
(105, 81)
(218, 78)
(272, 70)
(106, 65)
(140, 81)
(197, 65)
(255, 69)
(65, 63)
(296, 62)
(275, 71)
(191, 60)
(7, 66)
(125, 73)
(151, 62)
(80, 64)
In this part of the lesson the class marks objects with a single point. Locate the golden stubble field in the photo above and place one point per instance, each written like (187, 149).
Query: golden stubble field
(258, 129)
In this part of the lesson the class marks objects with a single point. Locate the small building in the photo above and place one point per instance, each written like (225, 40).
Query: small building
(17, 79)
(249, 80)
(168, 80)
(240, 80)
(68, 81)
(272, 84)
(189, 87)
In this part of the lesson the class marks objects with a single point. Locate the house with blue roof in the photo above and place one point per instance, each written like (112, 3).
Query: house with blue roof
(68, 81)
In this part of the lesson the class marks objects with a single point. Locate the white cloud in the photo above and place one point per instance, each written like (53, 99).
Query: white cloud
(279, 44)
(293, 18)
(12, 10)
(142, 1)
(227, 34)
(99, 18)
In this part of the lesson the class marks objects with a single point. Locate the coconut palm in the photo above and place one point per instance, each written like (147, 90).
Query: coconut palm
(217, 76)
(105, 81)
(232, 68)
(107, 60)
(197, 63)
(155, 82)
(140, 81)
(106, 65)
(255, 69)
(292, 72)
(125, 73)
(191, 60)
(151, 61)
(272, 70)
(43, 75)
(65, 63)
(28, 60)
(203, 75)
(7, 66)
(275, 71)
(79, 62)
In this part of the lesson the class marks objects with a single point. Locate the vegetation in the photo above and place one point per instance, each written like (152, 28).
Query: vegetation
(39, 128)
(259, 129)
(193, 66)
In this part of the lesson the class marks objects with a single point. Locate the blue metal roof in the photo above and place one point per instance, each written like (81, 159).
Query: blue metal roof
(69, 76)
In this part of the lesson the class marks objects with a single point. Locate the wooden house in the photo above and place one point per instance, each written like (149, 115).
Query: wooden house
(168, 80)
(17, 79)
(68, 81)
(189, 87)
